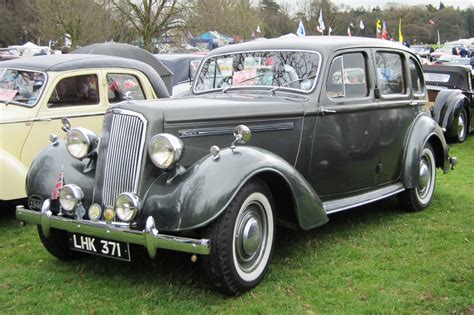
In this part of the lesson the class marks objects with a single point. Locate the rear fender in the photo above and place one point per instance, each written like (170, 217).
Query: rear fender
(424, 130)
(12, 177)
(448, 105)
(192, 198)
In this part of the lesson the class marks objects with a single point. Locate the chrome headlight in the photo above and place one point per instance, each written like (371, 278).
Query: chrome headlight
(165, 150)
(70, 196)
(80, 142)
(127, 206)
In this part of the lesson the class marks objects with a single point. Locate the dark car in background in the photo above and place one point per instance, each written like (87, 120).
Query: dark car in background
(450, 90)
(184, 68)
(330, 123)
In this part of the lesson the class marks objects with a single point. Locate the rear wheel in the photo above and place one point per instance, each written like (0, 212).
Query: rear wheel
(241, 240)
(461, 126)
(420, 197)
(57, 244)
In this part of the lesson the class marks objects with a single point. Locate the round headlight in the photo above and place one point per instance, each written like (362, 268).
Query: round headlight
(127, 206)
(165, 150)
(70, 196)
(80, 142)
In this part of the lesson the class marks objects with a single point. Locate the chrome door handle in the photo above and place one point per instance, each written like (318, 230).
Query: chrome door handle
(42, 119)
(327, 111)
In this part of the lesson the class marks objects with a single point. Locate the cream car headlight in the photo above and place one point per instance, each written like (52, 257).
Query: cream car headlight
(70, 196)
(80, 142)
(165, 150)
(127, 206)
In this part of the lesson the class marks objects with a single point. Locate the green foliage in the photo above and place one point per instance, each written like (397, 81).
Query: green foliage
(375, 259)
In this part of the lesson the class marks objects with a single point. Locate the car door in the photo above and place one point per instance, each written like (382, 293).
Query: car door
(398, 103)
(79, 96)
(345, 142)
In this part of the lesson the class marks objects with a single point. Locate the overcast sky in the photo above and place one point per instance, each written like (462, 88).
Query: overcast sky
(462, 4)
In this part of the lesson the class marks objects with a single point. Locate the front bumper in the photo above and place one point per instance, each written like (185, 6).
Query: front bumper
(149, 237)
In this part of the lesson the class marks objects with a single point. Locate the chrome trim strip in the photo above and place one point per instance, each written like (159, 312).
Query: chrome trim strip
(260, 86)
(50, 118)
(149, 237)
(198, 132)
(337, 205)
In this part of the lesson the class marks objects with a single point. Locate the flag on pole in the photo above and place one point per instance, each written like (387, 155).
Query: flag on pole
(379, 29)
(300, 31)
(258, 29)
(351, 25)
(384, 30)
(322, 27)
(329, 31)
(400, 36)
(59, 184)
(349, 33)
(361, 25)
(253, 34)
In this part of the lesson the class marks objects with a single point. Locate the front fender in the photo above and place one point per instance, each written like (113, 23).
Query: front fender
(448, 105)
(424, 130)
(46, 167)
(12, 177)
(198, 195)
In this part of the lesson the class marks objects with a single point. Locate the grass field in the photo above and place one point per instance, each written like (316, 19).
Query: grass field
(373, 259)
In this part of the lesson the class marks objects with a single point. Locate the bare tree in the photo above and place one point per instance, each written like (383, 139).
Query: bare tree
(85, 21)
(150, 18)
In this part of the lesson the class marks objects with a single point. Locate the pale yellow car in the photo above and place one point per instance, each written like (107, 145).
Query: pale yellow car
(37, 92)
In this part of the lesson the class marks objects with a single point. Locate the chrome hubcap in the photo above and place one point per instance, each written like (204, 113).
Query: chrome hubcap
(461, 126)
(424, 175)
(251, 236)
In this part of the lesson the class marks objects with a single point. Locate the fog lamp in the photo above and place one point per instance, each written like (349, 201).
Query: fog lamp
(127, 206)
(70, 196)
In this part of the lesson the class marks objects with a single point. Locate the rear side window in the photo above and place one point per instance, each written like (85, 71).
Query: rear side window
(415, 74)
(389, 73)
(347, 77)
(76, 90)
(123, 87)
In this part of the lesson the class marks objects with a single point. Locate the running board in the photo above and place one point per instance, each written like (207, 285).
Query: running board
(337, 205)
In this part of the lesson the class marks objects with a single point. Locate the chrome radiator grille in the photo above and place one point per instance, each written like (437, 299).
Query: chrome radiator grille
(123, 154)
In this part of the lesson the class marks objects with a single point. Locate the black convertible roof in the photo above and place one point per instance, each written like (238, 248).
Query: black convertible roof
(319, 43)
(458, 76)
(69, 62)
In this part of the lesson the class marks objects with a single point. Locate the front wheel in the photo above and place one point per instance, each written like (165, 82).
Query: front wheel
(420, 197)
(57, 244)
(241, 240)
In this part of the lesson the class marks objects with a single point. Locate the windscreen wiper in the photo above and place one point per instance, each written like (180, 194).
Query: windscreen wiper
(276, 88)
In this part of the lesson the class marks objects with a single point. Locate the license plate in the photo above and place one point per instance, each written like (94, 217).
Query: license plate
(98, 246)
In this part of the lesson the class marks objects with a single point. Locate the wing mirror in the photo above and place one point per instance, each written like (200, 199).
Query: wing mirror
(242, 135)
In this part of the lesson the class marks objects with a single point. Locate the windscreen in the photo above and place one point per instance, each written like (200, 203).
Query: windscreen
(21, 87)
(296, 70)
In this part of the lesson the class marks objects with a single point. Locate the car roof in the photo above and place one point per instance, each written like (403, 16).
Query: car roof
(322, 44)
(69, 62)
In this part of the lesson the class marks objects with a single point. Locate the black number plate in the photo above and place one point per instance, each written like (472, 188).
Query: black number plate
(98, 246)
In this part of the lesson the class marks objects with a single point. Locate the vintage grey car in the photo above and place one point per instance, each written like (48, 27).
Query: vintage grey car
(335, 123)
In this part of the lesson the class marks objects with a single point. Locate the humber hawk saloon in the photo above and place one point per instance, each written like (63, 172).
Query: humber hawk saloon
(282, 131)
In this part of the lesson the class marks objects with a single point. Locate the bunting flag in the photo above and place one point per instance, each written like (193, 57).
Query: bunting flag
(361, 25)
(384, 30)
(400, 36)
(300, 31)
(322, 27)
(349, 31)
(379, 29)
(258, 29)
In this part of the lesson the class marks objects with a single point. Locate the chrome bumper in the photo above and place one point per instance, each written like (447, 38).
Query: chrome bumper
(150, 237)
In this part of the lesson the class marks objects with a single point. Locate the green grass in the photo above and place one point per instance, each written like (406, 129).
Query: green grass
(373, 259)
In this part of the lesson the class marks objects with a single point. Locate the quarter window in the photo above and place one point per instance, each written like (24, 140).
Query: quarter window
(77, 90)
(389, 73)
(123, 87)
(415, 77)
(347, 77)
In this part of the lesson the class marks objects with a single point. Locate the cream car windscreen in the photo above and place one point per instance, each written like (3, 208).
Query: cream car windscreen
(21, 87)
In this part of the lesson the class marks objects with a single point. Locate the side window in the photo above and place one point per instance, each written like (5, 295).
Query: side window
(389, 73)
(123, 87)
(347, 77)
(77, 90)
(415, 74)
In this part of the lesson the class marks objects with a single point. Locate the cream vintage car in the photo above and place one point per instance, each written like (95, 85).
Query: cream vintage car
(36, 93)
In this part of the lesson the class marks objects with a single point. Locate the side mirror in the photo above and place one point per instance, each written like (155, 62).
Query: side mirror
(242, 135)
